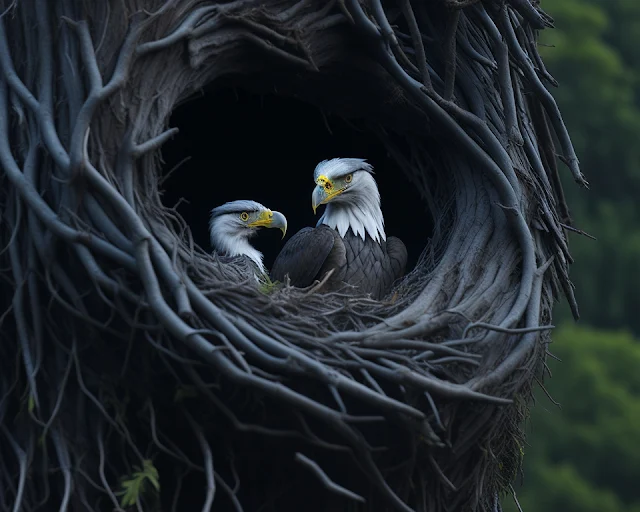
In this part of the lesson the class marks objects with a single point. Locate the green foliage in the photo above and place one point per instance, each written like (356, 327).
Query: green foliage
(135, 487)
(267, 286)
(586, 457)
(593, 53)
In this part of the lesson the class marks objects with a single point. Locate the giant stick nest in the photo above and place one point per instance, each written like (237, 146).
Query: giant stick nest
(137, 371)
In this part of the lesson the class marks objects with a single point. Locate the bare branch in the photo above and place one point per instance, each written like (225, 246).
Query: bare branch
(326, 481)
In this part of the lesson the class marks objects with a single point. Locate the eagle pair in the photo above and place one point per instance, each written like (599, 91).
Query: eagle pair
(348, 239)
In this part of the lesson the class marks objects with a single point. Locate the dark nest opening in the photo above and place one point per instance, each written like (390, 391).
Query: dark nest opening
(140, 371)
(234, 144)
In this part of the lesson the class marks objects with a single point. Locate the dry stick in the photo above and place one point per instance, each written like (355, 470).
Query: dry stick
(208, 462)
(173, 453)
(317, 441)
(552, 224)
(416, 36)
(467, 48)
(59, 397)
(326, 481)
(533, 51)
(65, 465)
(183, 31)
(536, 18)
(390, 36)
(504, 77)
(441, 474)
(547, 150)
(471, 94)
(450, 59)
(22, 463)
(417, 345)
(547, 100)
(374, 384)
(460, 4)
(101, 472)
(124, 166)
(21, 321)
(578, 231)
(32, 279)
(232, 495)
(518, 330)
(434, 409)
(450, 359)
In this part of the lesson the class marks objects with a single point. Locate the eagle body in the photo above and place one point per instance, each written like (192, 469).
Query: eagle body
(370, 267)
(246, 264)
(233, 224)
(349, 238)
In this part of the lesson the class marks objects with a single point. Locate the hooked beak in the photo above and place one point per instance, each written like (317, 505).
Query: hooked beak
(269, 219)
(320, 196)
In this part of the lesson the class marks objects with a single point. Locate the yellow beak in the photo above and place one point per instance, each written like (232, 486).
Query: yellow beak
(322, 194)
(269, 219)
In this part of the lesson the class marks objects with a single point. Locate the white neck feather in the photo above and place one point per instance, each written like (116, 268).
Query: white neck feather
(228, 240)
(357, 208)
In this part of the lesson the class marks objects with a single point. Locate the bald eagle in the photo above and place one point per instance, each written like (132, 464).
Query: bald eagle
(349, 237)
(234, 223)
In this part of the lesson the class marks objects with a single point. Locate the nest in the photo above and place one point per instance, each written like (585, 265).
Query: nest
(138, 371)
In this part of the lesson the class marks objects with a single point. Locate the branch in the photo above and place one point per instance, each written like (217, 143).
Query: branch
(326, 481)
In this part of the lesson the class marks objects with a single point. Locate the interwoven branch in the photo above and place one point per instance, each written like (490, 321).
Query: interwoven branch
(118, 331)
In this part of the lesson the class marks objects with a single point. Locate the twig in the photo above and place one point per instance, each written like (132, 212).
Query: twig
(450, 60)
(326, 481)
(208, 462)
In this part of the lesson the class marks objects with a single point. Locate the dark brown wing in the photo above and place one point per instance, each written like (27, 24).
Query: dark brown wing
(373, 266)
(397, 252)
(308, 255)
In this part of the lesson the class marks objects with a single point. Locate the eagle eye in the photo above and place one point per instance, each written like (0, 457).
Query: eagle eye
(244, 216)
(327, 185)
(349, 178)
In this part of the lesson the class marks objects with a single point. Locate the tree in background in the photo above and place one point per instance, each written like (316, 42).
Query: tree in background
(586, 457)
(594, 57)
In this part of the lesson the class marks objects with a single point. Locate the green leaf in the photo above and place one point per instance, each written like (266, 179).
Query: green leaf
(134, 487)
(151, 474)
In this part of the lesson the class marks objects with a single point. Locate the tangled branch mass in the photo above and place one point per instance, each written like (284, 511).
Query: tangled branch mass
(139, 370)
